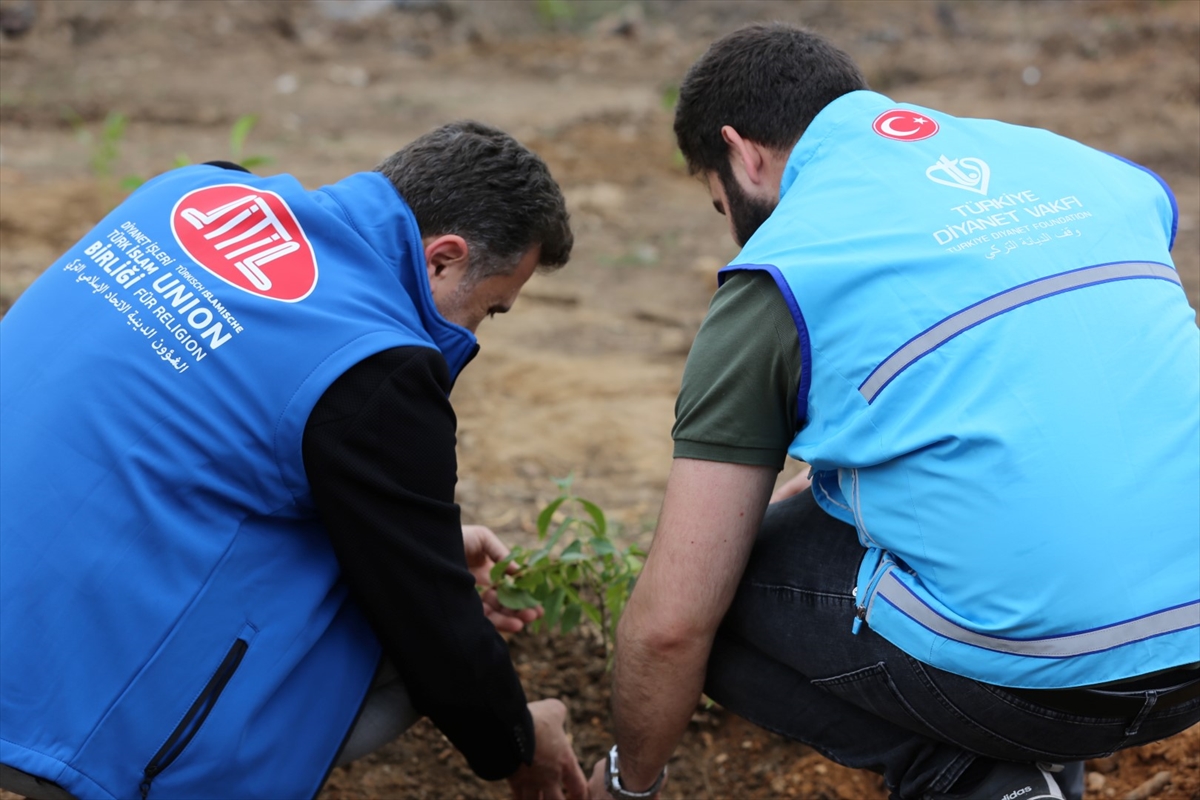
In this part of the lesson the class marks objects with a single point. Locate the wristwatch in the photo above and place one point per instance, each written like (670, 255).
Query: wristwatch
(612, 780)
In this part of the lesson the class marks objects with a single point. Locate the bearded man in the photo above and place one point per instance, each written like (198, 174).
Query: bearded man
(975, 335)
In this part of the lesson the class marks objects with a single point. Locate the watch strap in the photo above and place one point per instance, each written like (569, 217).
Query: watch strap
(612, 780)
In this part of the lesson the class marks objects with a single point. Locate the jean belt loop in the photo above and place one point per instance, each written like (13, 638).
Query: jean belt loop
(1151, 699)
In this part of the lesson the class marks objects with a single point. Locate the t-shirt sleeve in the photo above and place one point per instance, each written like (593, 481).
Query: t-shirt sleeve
(379, 453)
(738, 403)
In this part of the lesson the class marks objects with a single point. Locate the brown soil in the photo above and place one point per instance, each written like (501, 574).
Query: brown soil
(582, 375)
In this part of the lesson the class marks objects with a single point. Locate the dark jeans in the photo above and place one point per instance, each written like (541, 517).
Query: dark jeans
(786, 660)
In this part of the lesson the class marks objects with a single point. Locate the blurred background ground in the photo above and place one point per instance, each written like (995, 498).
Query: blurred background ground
(581, 376)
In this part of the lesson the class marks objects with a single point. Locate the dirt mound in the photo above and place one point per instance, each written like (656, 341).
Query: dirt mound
(722, 756)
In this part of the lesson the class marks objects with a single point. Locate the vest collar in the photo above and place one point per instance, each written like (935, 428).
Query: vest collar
(375, 210)
(848, 107)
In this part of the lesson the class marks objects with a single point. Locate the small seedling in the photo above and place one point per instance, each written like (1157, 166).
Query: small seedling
(578, 571)
(105, 146)
(554, 12)
(670, 97)
(237, 142)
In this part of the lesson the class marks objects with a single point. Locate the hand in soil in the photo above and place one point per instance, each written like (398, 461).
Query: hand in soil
(554, 767)
(483, 549)
(596, 789)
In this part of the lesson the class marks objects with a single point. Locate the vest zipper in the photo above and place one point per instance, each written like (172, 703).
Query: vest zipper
(189, 726)
(863, 600)
(855, 501)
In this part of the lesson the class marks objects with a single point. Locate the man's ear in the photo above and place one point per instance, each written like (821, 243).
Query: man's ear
(750, 156)
(447, 260)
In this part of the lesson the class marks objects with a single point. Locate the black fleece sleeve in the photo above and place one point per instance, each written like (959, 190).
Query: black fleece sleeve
(379, 452)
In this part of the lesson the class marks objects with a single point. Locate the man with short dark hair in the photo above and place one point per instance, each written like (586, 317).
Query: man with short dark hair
(958, 324)
(227, 482)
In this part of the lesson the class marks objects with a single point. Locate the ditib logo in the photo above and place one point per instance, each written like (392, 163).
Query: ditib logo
(247, 237)
(904, 126)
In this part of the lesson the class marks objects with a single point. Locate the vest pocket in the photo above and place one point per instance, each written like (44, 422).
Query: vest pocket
(189, 726)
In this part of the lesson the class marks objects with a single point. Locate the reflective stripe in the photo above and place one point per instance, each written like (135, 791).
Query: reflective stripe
(1072, 644)
(951, 326)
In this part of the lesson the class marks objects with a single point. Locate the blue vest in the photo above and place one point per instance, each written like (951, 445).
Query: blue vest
(172, 616)
(1000, 390)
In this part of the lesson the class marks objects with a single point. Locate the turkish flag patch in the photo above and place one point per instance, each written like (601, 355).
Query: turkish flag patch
(904, 125)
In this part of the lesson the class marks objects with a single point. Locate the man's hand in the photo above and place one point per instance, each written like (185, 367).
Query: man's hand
(483, 549)
(554, 767)
(792, 487)
(596, 787)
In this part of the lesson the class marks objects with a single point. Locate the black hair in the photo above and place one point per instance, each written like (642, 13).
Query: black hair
(477, 182)
(767, 81)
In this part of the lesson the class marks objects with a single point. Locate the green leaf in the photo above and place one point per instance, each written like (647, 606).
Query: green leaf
(534, 582)
(614, 597)
(181, 160)
(564, 484)
(250, 162)
(602, 546)
(543, 520)
(553, 540)
(538, 570)
(131, 182)
(670, 96)
(570, 618)
(554, 606)
(511, 597)
(501, 568)
(592, 612)
(238, 133)
(596, 514)
(552, 11)
(107, 149)
(574, 552)
(114, 126)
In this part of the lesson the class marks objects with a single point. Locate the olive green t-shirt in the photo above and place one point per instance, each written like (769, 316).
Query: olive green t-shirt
(737, 403)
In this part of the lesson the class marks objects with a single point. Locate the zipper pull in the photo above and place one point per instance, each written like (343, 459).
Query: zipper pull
(860, 615)
(148, 776)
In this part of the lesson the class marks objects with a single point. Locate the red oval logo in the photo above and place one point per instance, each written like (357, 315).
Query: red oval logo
(904, 125)
(247, 237)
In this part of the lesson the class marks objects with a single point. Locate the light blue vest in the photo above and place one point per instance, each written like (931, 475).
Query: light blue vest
(172, 616)
(1000, 390)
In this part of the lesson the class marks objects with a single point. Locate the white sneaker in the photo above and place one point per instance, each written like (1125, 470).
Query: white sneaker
(1009, 781)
